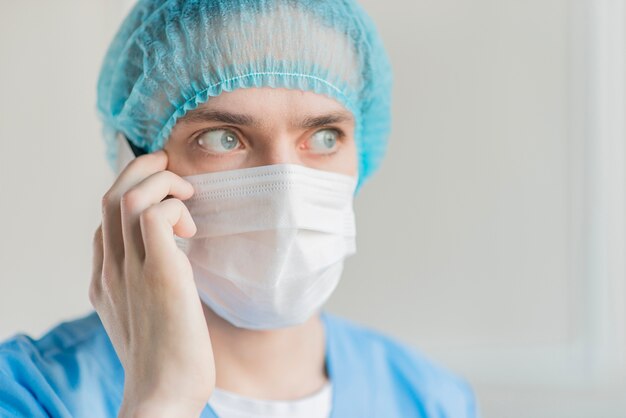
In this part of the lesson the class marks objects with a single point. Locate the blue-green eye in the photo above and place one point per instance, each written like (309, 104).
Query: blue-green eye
(218, 141)
(324, 141)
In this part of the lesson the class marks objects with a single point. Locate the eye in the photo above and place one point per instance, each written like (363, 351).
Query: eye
(324, 141)
(218, 141)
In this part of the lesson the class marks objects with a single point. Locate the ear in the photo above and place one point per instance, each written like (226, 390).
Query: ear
(124, 153)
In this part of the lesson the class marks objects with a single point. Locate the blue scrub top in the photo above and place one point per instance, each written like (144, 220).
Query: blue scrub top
(73, 371)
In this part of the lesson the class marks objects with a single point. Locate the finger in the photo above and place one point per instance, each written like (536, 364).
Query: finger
(159, 222)
(95, 285)
(133, 173)
(142, 196)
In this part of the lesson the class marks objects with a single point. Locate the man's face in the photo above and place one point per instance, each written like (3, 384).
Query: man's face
(251, 127)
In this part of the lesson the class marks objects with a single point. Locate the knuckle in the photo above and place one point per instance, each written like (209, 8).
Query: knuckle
(94, 293)
(171, 177)
(107, 199)
(152, 272)
(179, 205)
(164, 173)
(166, 177)
(150, 216)
(108, 277)
(130, 199)
(136, 161)
(152, 278)
(97, 236)
(170, 203)
(176, 178)
(107, 284)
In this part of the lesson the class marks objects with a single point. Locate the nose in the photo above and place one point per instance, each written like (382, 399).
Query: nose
(280, 149)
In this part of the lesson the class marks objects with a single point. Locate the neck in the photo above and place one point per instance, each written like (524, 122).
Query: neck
(281, 364)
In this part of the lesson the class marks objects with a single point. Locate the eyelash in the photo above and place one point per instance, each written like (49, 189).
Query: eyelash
(340, 137)
(196, 147)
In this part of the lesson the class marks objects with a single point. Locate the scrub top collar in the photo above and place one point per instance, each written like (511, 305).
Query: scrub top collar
(350, 396)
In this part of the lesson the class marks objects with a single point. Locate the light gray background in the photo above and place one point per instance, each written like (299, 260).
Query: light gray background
(474, 238)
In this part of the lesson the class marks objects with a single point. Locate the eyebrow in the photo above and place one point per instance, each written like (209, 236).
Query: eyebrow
(208, 115)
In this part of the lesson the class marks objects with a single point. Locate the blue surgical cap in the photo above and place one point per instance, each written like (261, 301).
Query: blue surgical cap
(170, 56)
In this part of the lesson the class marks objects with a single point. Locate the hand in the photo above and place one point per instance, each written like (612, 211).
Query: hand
(143, 290)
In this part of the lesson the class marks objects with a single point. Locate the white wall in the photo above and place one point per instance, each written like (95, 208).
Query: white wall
(492, 238)
(52, 170)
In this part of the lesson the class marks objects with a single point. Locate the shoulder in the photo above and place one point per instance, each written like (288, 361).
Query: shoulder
(60, 337)
(69, 341)
(404, 370)
(56, 373)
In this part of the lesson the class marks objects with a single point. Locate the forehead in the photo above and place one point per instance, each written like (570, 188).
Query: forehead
(270, 104)
(270, 98)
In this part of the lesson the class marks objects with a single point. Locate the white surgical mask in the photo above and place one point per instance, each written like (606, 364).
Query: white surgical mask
(270, 241)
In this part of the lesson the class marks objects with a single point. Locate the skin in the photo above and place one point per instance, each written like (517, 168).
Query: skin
(142, 285)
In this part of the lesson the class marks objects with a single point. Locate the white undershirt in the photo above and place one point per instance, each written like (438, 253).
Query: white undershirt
(231, 405)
